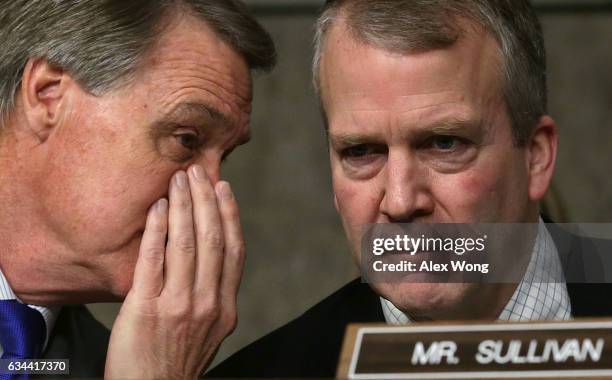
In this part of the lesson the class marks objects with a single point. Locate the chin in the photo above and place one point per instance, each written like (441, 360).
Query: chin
(426, 301)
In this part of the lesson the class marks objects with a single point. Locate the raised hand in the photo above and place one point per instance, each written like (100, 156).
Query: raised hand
(183, 299)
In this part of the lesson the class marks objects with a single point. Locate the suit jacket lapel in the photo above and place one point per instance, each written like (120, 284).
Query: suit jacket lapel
(78, 336)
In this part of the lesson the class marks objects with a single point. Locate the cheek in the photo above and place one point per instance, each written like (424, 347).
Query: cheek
(479, 187)
(463, 197)
(358, 204)
(99, 196)
(485, 193)
(127, 198)
(109, 203)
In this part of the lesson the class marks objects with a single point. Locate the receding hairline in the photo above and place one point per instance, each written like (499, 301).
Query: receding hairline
(172, 20)
(179, 12)
(341, 28)
(344, 16)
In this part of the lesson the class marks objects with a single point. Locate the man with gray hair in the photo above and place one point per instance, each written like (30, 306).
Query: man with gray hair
(435, 112)
(116, 116)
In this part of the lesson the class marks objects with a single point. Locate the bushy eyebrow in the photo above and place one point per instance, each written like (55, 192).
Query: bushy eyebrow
(198, 111)
(191, 114)
(466, 128)
(200, 116)
(349, 139)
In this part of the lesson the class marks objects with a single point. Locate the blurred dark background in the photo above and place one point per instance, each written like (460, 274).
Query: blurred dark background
(296, 248)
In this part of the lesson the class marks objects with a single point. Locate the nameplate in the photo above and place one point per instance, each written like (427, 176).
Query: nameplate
(567, 350)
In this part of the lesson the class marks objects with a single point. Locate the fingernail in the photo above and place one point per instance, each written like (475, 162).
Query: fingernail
(181, 179)
(224, 191)
(162, 206)
(199, 173)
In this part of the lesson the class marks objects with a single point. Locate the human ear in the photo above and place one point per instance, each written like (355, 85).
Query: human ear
(542, 155)
(42, 95)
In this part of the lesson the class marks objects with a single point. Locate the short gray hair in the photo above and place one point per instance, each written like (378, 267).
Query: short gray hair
(101, 42)
(422, 25)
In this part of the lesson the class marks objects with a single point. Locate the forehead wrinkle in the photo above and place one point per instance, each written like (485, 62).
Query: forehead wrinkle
(363, 122)
(197, 82)
(203, 65)
(181, 101)
(403, 111)
(360, 125)
(190, 42)
(429, 100)
(452, 109)
(217, 72)
(451, 125)
(363, 102)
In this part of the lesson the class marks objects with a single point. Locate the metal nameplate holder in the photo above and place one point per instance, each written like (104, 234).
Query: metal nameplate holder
(533, 350)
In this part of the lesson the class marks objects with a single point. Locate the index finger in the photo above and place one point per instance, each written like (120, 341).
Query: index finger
(181, 246)
(208, 232)
(149, 271)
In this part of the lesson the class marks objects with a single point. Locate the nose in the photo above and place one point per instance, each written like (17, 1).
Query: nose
(407, 195)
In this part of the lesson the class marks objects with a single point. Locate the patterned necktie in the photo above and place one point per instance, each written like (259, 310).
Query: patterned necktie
(22, 333)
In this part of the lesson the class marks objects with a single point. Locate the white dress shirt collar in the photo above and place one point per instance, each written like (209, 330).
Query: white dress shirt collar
(49, 314)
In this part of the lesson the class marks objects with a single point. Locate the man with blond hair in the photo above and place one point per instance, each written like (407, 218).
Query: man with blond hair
(435, 112)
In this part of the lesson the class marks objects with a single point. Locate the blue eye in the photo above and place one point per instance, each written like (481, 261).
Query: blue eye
(357, 151)
(363, 151)
(444, 142)
(188, 140)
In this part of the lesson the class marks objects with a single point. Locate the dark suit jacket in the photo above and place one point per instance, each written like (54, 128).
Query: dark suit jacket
(309, 346)
(78, 336)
